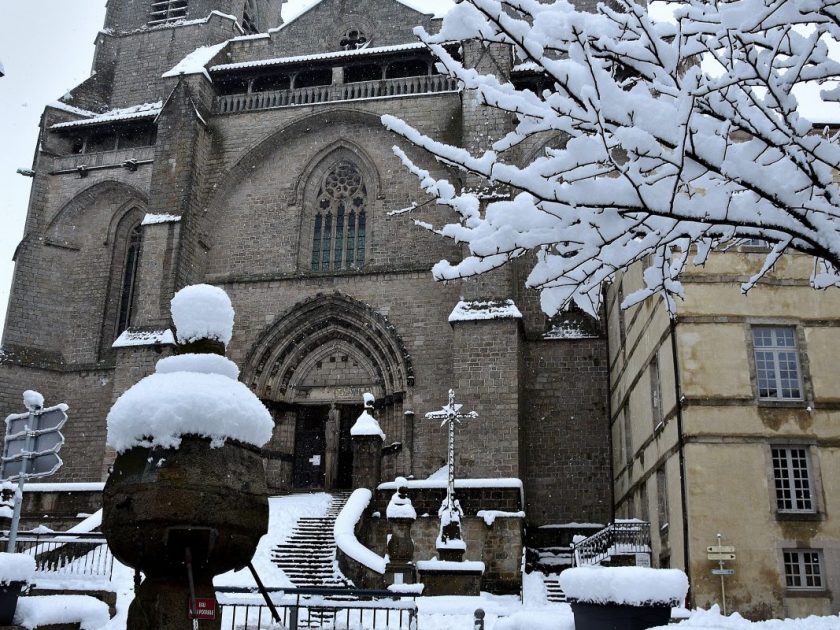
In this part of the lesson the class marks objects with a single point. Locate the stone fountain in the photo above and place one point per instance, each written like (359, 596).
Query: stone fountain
(187, 497)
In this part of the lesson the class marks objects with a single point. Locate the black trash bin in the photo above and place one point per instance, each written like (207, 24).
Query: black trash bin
(610, 616)
(9, 593)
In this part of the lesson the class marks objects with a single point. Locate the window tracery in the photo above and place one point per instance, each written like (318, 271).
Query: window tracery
(340, 231)
(352, 39)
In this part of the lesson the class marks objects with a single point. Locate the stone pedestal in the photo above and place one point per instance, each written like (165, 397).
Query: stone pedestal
(400, 569)
(450, 578)
(163, 603)
(367, 461)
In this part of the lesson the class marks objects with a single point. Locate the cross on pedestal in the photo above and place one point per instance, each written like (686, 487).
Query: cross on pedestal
(450, 512)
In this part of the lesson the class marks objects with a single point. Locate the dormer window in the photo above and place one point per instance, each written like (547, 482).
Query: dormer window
(167, 11)
(353, 39)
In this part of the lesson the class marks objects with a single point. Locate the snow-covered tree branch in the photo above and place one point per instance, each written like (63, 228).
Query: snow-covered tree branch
(676, 137)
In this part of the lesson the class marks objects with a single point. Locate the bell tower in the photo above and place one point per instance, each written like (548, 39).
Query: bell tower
(143, 39)
(254, 16)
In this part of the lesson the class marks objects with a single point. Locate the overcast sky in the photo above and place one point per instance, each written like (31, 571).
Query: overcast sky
(42, 62)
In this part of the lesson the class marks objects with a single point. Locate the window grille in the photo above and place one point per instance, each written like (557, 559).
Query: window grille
(249, 18)
(166, 11)
(792, 477)
(803, 569)
(339, 237)
(776, 363)
(129, 279)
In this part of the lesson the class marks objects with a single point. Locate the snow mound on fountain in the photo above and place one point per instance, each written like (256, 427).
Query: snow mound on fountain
(195, 394)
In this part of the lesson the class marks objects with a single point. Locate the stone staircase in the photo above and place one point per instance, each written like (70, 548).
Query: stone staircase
(554, 593)
(307, 557)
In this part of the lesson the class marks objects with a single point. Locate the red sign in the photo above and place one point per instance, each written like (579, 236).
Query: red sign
(203, 608)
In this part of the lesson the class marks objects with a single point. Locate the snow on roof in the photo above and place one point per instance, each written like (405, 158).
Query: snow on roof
(338, 54)
(131, 338)
(194, 62)
(475, 310)
(70, 109)
(144, 110)
(152, 219)
(293, 9)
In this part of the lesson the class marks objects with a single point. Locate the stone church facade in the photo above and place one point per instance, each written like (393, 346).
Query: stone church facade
(216, 144)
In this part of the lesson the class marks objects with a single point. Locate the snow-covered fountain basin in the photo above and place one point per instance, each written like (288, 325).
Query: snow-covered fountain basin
(623, 598)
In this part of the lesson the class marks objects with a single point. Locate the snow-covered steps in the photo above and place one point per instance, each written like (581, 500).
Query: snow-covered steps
(307, 555)
(554, 593)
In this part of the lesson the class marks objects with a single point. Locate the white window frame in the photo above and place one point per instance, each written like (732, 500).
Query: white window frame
(797, 558)
(777, 354)
(788, 479)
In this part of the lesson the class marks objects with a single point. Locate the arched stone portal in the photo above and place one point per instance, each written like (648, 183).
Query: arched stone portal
(322, 355)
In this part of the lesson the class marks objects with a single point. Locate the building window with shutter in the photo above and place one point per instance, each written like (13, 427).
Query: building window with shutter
(339, 236)
(777, 363)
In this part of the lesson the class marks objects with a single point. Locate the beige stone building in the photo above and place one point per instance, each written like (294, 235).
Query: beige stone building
(726, 421)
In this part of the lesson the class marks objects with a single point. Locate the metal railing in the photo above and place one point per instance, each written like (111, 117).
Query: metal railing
(621, 537)
(58, 554)
(427, 84)
(101, 159)
(245, 609)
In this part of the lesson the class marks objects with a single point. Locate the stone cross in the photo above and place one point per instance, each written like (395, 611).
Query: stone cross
(450, 414)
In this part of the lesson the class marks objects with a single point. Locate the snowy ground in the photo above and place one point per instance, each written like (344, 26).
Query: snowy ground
(506, 612)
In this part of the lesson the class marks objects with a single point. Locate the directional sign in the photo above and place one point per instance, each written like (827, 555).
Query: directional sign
(720, 549)
(721, 556)
(42, 465)
(723, 571)
(32, 443)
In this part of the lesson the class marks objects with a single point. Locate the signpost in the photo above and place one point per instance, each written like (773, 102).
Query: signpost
(721, 553)
(30, 450)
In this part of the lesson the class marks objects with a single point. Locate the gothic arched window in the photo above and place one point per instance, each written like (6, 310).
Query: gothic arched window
(338, 240)
(129, 278)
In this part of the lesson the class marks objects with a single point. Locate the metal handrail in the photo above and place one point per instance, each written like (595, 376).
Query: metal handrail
(621, 536)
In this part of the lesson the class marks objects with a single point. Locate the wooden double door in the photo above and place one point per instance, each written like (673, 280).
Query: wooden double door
(310, 440)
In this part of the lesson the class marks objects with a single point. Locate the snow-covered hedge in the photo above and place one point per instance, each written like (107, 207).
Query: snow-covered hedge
(16, 567)
(633, 586)
(194, 394)
(345, 532)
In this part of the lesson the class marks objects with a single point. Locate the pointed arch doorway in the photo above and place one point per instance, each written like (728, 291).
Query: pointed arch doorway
(312, 366)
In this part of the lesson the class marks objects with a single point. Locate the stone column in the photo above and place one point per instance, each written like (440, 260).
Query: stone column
(401, 516)
(367, 439)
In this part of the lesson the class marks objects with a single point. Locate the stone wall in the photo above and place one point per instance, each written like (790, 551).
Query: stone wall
(499, 545)
(565, 427)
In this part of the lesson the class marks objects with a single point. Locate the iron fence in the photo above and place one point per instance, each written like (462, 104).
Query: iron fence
(328, 608)
(83, 554)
